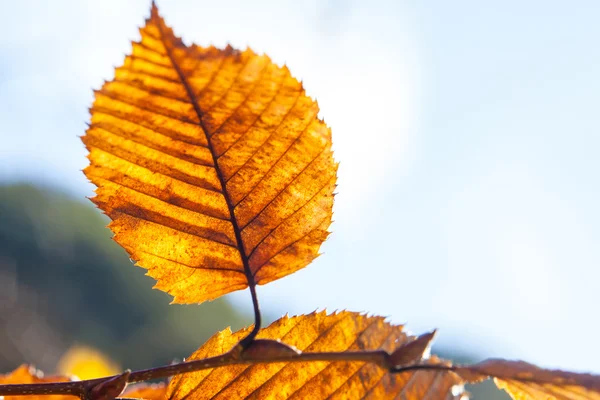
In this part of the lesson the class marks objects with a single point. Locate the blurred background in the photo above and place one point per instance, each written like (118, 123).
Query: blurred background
(469, 141)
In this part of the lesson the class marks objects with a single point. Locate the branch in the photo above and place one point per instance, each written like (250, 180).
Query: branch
(259, 352)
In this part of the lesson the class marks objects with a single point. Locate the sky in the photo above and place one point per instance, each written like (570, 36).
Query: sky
(467, 135)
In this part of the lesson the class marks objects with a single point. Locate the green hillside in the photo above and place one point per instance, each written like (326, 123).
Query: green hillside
(63, 281)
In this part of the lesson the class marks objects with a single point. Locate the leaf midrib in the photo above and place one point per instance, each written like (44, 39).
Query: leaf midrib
(199, 113)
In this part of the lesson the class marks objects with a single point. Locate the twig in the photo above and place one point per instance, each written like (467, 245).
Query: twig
(237, 356)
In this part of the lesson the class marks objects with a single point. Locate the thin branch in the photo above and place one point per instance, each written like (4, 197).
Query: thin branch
(83, 388)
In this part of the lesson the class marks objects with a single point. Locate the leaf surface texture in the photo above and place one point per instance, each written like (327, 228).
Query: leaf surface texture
(315, 332)
(155, 391)
(212, 164)
(28, 374)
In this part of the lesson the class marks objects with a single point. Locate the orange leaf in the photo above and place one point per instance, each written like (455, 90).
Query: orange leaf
(524, 381)
(315, 332)
(212, 164)
(28, 374)
(86, 363)
(145, 391)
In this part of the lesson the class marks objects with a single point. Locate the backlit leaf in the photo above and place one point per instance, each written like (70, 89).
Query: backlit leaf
(28, 374)
(144, 391)
(524, 381)
(86, 363)
(314, 380)
(212, 164)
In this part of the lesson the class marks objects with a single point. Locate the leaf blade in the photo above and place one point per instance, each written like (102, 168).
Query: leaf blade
(209, 162)
(524, 381)
(343, 331)
(27, 374)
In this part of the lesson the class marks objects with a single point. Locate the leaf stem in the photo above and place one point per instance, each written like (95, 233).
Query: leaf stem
(245, 342)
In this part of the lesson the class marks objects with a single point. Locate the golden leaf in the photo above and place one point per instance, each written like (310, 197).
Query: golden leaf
(524, 381)
(28, 374)
(147, 392)
(86, 363)
(315, 332)
(212, 164)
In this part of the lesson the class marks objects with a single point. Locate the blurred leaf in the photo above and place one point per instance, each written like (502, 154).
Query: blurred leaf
(63, 281)
(86, 363)
(144, 391)
(524, 381)
(28, 374)
(212, 164)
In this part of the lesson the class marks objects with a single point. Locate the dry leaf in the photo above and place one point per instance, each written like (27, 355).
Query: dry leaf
(212, 164)
(314, 380)
(524, 381)
(147, 392)
(28, 374)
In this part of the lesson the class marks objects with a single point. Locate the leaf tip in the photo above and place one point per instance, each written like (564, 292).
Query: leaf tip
(153, 9)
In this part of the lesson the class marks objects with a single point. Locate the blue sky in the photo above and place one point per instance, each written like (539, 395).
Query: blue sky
(468, 135)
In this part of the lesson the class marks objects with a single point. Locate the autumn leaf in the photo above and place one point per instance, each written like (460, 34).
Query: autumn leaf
(212, 164)
(524, 381)
(154, 391)
(29, 374)
(86, 363)
(315, 332)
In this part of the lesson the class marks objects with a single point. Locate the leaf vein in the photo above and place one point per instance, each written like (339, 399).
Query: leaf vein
(150, 92)
(263, 177)
(287, 185)
(174, 174)
(285, 366)
(195, 267)
(243, 134)
(226, 92)
(290, 245)
(372, 322)
(149, 145)
(243, 102)
(158, 110)
(172, 223)
(150, 49)
(130, 187)
(172, 134)
(273, 131)
(289, 216)
(153, 63)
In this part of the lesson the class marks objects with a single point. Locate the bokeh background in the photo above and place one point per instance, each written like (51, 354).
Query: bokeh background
(469, 139)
